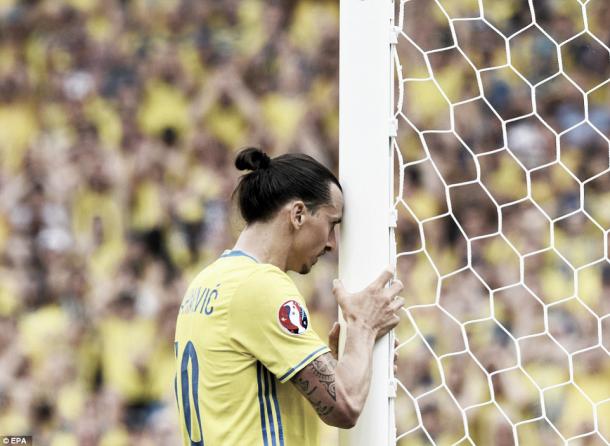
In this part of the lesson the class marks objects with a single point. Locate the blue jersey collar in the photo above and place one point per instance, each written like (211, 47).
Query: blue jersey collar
(238, 253)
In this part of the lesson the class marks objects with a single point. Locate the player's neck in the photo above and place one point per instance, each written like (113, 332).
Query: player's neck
(265, 243)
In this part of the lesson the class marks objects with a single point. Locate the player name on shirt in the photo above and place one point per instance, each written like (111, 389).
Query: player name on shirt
(200, 301)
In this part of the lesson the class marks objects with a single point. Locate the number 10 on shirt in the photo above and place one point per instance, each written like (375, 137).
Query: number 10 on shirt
(190, 391)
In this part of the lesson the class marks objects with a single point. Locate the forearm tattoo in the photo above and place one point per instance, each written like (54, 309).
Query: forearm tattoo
(323, 369)
(321, 409)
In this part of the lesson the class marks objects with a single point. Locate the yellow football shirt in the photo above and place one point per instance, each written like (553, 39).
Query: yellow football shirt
(242, 333)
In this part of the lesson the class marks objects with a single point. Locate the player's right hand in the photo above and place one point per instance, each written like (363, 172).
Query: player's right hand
(375, 306)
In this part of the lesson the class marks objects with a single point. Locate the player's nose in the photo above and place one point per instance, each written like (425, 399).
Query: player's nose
(331, 243)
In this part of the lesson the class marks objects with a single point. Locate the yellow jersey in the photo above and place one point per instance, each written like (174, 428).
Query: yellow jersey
(242, 333)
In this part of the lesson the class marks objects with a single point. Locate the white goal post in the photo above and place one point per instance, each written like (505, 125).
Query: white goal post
(365, 160)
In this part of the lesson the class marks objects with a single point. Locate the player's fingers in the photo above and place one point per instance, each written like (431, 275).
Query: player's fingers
(396, 304)
(333, 334)
(396, 344)
(383, 278)
(395, 288)
(338, 287)
(393, 321)
(333, 339)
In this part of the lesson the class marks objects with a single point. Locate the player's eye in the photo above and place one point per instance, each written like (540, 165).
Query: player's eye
(332, 228)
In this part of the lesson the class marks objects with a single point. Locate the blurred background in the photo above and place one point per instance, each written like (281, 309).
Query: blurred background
(119, 122)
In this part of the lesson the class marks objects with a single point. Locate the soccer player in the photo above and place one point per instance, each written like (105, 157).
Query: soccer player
(250, 370)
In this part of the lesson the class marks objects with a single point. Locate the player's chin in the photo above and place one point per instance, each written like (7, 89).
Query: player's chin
(306, 268)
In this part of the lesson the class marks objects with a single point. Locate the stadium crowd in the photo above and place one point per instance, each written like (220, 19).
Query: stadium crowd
(119, 120)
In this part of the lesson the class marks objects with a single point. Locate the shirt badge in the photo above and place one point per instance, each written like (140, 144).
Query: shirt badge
(292, 317)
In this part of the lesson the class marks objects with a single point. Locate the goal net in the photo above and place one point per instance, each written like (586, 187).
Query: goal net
(502, 191)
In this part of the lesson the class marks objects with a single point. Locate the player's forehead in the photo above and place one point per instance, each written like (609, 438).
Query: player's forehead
(335, 206)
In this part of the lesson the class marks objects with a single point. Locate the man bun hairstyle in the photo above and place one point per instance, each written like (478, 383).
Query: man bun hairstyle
(252, 159)
(273, 182)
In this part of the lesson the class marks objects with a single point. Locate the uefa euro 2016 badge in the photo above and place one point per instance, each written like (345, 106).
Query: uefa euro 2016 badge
(292, 317)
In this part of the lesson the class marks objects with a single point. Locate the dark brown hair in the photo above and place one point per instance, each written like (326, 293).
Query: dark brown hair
(273, 182)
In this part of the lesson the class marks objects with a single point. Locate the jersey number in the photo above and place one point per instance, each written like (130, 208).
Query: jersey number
(190, 388)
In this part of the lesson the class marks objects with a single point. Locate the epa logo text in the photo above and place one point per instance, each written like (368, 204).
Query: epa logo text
(17, 440)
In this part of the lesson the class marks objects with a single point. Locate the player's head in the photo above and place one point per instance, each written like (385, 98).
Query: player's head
(299, 191)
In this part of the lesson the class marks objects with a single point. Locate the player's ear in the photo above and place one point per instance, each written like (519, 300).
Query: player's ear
(297, 213)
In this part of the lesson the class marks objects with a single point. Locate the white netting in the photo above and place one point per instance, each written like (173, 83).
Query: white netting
(503, 198)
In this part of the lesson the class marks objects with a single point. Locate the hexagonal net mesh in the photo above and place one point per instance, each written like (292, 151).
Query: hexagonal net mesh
(502, 189)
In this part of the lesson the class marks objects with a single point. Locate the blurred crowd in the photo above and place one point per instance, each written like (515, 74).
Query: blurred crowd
(119, 122)
(503, 222)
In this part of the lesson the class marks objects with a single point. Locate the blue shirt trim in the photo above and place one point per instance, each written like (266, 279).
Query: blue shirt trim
(303, 362)
(266, 379)
(237, 253)
(260, 402)
(277, 410)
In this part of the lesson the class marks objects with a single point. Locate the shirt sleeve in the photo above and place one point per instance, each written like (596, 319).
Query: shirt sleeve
(269, 319)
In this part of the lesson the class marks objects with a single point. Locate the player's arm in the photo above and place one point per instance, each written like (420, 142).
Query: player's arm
(337, 390)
